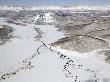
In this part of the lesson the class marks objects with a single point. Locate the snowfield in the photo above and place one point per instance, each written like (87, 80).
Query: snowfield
(54, 46)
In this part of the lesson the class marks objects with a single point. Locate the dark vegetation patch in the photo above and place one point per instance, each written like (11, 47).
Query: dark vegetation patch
(5, 33)
(16, 23)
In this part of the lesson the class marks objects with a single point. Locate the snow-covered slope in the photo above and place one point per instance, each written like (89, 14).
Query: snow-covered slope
(44, 18)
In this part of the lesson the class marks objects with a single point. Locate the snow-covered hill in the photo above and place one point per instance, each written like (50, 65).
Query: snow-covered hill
(44, 18)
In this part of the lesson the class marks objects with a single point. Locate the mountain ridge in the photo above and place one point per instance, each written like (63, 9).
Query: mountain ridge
(74, 8)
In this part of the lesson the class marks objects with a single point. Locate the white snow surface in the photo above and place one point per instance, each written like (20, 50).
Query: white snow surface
(48, 65)
(47, 18)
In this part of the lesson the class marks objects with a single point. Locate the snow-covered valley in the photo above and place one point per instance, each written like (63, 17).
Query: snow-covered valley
(54, 46)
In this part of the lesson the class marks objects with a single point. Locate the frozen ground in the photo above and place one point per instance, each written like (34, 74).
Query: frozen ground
(67, 50)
